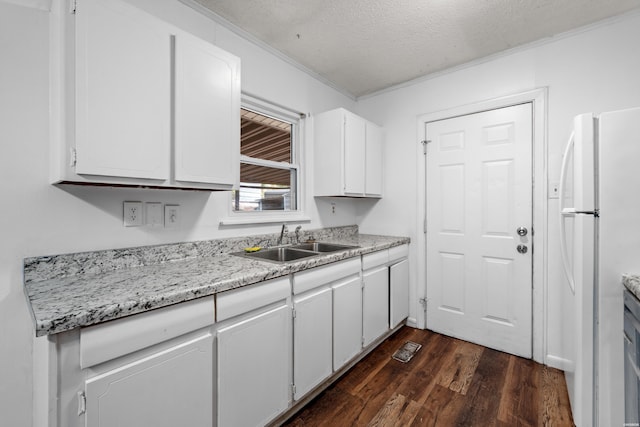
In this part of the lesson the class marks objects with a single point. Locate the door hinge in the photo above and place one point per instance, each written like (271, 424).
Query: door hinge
(293, 391)
(82, 402)
(424, 143)
(423, 301)
(73, 158)
(362, 342)
(73, 6)
(293, 313)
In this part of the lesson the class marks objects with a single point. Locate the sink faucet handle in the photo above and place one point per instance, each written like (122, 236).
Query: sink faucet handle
(298, 228)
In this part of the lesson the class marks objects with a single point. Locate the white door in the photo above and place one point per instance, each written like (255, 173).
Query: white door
(253, 366)
(398, 293)
(312, 330)
(207, 112)
(375, 304)
(347, 321)
(170, 388)
(479, 193)
(123, 91)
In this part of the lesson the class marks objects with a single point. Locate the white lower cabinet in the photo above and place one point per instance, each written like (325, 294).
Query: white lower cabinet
(254, 354)
(165, 389)
(347, 321)
(398, 292)
(311, 340)
(375, 304)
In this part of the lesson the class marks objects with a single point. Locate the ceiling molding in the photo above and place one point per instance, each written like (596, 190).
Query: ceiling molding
(256, 41)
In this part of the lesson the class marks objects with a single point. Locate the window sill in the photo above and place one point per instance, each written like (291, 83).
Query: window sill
(263, 219)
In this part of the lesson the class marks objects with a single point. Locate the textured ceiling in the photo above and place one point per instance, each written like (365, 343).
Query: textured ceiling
(363, 46)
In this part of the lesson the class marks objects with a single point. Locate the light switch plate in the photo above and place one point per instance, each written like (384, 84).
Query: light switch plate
(153, 214)
(132, 214)
(171, 216)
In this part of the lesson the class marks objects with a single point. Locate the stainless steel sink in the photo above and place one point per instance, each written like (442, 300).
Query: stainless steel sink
(280, 254)
(323, 247)
(294, 253)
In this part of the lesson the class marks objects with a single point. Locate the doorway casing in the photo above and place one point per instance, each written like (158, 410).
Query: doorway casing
(538, 98)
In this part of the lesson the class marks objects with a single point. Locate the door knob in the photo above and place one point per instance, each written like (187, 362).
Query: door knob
(522, 231)
(522, 249)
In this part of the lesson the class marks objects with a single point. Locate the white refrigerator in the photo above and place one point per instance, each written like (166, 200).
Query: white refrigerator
(600, 240)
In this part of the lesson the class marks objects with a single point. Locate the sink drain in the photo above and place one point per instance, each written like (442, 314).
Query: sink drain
(407, 351)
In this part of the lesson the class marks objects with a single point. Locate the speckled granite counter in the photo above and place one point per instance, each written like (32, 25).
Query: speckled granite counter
(632, 283)
(75, 290)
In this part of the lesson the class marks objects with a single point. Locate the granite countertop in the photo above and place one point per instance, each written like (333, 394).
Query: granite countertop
(632, 283)
(77, 290)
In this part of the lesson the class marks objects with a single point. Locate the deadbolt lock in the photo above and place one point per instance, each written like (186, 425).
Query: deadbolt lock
(522, 249)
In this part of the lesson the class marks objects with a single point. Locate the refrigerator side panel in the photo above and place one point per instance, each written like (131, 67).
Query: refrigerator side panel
(619, 248)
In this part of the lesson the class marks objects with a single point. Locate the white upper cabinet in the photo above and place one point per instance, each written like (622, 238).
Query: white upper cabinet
(207, 113)
(144, 103)
(123, 81)
(348, 155)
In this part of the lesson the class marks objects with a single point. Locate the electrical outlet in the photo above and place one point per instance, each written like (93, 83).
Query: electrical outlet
(132, 214)
(171, 216)
(153, 214)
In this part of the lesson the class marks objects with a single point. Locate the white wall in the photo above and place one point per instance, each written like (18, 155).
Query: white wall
(592, 70)
(39, 219)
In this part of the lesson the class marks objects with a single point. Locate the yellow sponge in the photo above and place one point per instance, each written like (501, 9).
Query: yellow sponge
(252, 249)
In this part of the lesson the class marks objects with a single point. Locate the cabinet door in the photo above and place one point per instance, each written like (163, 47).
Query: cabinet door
(123, 91)
(399, 292)
(171, 388)
(375, 304)
(254, 369)
(311, 341)
(373, 161)
(347, 321)
(207, 113)
(354, 153)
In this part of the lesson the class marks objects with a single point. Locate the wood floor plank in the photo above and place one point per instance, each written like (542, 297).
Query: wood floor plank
(457, 376)
(448, 383)
(556, 409)
(389, 412)
(520, 394)
(484, 393)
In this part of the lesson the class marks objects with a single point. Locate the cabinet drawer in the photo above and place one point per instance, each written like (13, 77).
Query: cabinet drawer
(110, 340)
(310, 279)
(398, 252)
(239, 301)
(375, 259)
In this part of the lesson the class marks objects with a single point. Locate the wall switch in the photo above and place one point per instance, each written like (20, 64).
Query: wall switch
(153, 214)
(132, 214)
(171, 216)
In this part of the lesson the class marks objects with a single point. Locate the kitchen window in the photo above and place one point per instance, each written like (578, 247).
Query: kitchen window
(270, 175)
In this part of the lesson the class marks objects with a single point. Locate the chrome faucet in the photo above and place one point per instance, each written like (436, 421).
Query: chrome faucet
(284, 230)
(298, 228)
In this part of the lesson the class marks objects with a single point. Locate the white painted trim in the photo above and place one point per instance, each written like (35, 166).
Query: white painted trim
(280, 218)
(256, 41)
(539, 293)
(33, 4)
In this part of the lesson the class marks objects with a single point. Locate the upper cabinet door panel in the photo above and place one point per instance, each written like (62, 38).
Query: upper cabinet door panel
(354, 152)
(373, 161)
(207, 112)
(123, 91)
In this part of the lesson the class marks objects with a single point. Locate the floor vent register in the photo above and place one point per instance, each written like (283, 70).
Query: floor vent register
(407, 351)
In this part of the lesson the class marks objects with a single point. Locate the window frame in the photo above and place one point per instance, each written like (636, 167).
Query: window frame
(298, 132)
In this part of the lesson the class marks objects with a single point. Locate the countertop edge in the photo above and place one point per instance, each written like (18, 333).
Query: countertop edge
(87, 316)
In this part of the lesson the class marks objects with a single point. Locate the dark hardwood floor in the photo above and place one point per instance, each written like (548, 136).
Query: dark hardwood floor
(448, 383)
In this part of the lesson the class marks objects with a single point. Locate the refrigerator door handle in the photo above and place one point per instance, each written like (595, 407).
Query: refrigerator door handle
(570, 212)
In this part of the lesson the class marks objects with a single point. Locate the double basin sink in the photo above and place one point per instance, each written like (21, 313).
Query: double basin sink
(295, 252)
